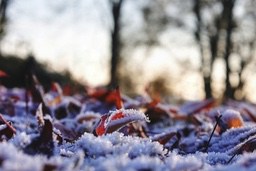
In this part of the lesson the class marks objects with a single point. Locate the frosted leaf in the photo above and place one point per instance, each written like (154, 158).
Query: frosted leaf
(231, 138)
(128, 113)
(231, 118)
(115, 122)
(118, 119)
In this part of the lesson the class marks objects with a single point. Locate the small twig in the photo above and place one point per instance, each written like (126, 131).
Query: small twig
(231, 158)
(27, 94)
(217, 122)
(7, 124)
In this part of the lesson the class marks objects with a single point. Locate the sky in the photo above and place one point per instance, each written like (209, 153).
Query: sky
(64, 34)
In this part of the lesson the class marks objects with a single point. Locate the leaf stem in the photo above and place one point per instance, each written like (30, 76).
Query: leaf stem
(215, 126)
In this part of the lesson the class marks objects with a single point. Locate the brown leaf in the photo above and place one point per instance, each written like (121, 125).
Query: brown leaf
(3, 74)
(197, 106)
(9, 131)
(43, 144)
(40, 115)
(115, 120)
(66, 134)
(164, 137)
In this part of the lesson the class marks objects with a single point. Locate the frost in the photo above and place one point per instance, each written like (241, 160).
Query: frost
(116, 144)
(21, 140)
(190, 162)
(118, 119)
(177, 142)
(130, 114)
(2, 127)
(231, 138)
(16, 160)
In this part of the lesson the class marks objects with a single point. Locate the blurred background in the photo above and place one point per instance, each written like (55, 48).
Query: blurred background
(189, 49)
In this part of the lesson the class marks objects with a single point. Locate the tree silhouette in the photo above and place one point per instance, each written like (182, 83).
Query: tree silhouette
(219, 33)
(3, 10)
(115, 43)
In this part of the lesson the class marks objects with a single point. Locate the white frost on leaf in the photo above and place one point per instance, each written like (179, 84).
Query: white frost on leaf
(129, 115)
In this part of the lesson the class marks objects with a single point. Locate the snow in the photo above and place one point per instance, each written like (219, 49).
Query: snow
(80, 149)
(118, 152)
(231, 138)
(21, 140)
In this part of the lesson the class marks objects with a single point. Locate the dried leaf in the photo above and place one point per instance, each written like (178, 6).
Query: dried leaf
(55, 87)
(118, 119)
(87, 117)
(66, 134)
(194, 107)
(230, 119)
(156, 112)
(164, 137)
(101, 128)
(247, 146)
(49, 167)
(3, 74)
(9, 131)
(61, 112)
(43, 144)
(73, 108)
(40, 115)
(46, 133)
(112, 97)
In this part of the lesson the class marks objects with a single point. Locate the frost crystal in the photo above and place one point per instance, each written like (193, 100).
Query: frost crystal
(71, 139)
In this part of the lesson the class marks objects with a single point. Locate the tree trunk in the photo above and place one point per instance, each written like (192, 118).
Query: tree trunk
(3, 7)
(228, 13)
(198, 32)
(115, 44)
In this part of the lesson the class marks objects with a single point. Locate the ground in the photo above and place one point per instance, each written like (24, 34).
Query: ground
(101, 129)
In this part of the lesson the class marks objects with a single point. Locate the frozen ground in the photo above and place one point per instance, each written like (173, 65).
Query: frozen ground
(100, 130)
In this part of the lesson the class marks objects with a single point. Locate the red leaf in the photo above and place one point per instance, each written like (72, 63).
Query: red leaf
(3, 74)
(55, 87)
(164, 137)
(100, 130)
(67, 91)
(119, 103)
(118, 119)
(108, 96)
(117, 116)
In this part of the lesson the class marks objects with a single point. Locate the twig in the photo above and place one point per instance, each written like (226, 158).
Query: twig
(231, 158)
(7, 124)
(217, 122)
